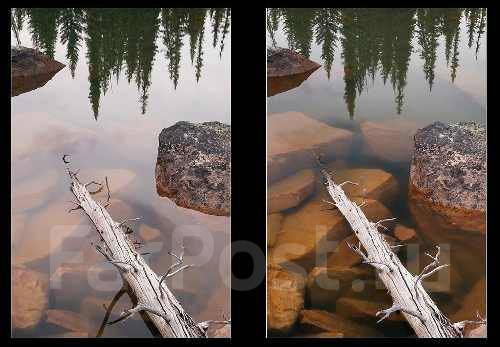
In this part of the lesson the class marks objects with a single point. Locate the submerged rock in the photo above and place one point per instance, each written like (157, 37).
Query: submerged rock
(291, 191)
(295, 138)
(473, 302)
(68, 320)
(287, 70)
(285, 299)
(193, 167)
(30, 69)
(448, 173)
(29, 297)
(389, 140)
(318, 321)
(274, 221)
(355, 308)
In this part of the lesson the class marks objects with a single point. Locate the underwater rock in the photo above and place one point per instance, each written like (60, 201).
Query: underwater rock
(193, 167)
(473, 302)
(344, 256)
(479, 332)
(33, 192)
(30, 292)
(287, 70)
(46, 231)
(389, 140)
(285, 299)
(39, 134)
(313, 231)
(354, 308)
(274, 221)
(68, 320)
(224, 331)
(118, 179)
(373, 184)
(326, 284)
(448, 174)
(404, 234)
(318, 321)
(290, 191)
(295, 138)
(30, 69)
(148, 233)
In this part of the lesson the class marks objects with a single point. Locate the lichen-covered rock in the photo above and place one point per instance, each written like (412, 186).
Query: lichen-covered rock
(295, 138)
(448, 173)
(193, 167)
(285, 299)
(287, 70)
(30, 69)
(29, 297)
(290, 191)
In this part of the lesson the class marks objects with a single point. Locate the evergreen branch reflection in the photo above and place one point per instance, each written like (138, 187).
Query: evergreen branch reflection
(123, 39)
(378, 41)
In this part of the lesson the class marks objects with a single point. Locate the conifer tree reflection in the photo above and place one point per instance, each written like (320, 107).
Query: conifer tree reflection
(378, 41)
(118, 39)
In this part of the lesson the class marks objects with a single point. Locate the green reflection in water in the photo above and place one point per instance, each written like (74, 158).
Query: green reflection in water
(119, 39)
(378, 41)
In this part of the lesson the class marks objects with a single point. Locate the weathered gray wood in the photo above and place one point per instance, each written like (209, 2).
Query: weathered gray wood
(160, 305)
(409, 296)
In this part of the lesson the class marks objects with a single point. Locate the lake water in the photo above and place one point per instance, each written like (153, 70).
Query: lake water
(129, 73)
(407, 66)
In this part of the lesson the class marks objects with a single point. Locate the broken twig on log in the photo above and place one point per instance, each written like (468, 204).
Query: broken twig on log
(408, 295)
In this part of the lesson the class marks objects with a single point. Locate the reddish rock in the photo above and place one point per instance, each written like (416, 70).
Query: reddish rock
(30, 69)
(287, 70)
(404, 234)
(473, 302)
(68, 320)
(317, 322)
(273, 228)
(448, 174)
(293, 137)
(285, 299)
(389, 140)
(291, 191)
(365, 309)
(29, 297)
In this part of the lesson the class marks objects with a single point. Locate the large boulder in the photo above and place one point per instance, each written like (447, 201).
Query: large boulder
(448, 173)
(30, 69)
(291, 191)
(285, 299)
(287, 70)
(193, 167)
(295, 138)
(447, 192)
(30, 292)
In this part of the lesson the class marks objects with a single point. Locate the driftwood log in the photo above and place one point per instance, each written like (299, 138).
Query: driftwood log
(409, 296)
(149, 290)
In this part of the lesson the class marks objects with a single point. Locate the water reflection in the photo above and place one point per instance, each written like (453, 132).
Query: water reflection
(125, 39)
(378, 42)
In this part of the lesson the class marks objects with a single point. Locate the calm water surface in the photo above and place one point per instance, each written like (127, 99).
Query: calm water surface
(420, 65)
(128, 75)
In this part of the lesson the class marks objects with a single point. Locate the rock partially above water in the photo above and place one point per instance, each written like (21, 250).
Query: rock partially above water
(31, 69)
(448, 173)
(194, 166)
(295, 138)
(287, 70)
